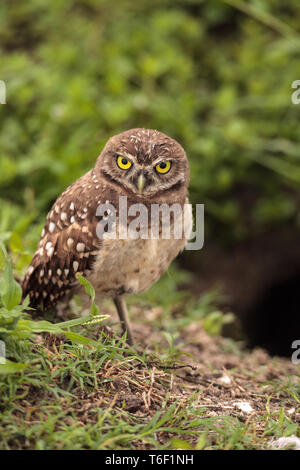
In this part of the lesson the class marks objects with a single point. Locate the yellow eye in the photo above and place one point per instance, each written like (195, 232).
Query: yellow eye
(163, 167)
(123, 163)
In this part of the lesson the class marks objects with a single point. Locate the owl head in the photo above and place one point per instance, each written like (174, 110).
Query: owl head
(144, 162)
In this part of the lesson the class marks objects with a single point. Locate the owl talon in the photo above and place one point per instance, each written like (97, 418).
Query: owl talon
(123, 315)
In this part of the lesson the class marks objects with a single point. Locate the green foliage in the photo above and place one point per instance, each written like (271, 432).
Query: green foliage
(215, 321)
(94, 309)
(216, 75)
(11, 311)
(11, 292)
(16, 324)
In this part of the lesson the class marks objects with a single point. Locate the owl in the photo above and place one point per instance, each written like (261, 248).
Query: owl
(143, 167)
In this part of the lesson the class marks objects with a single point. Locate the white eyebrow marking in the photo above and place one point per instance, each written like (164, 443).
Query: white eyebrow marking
(129, 156)
(161, 159)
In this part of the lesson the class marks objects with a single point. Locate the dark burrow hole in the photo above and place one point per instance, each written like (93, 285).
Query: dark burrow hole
(260, 282)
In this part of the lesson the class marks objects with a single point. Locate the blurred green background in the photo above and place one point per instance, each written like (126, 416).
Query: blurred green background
(215, 75)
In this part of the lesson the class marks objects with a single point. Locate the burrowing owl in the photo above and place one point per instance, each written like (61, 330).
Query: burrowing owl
(141, 166)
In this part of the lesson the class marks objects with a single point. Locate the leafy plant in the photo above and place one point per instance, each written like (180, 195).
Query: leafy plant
(214, 321)
(15, 321)
(149, 66)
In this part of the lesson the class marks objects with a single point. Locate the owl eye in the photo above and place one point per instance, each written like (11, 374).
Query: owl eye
(123, 163)
(163, 167)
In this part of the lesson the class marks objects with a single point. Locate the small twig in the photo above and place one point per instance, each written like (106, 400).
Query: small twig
(154, 364)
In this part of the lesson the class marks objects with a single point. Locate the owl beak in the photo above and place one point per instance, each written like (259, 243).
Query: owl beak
(141, 183)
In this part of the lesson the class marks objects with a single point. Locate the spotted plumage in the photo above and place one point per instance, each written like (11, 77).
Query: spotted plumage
(68, 245)
(147, 167)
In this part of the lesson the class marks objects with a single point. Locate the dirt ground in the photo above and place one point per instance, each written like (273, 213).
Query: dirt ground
(222, 380)
(216, 374)
(230, 383)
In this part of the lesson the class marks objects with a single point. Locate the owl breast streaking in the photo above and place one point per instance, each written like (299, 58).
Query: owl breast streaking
(145, 167)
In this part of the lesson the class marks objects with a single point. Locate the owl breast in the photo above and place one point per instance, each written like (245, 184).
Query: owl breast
(128, 266)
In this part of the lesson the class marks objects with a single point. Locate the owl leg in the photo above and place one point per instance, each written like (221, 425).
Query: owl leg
(123, 315)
